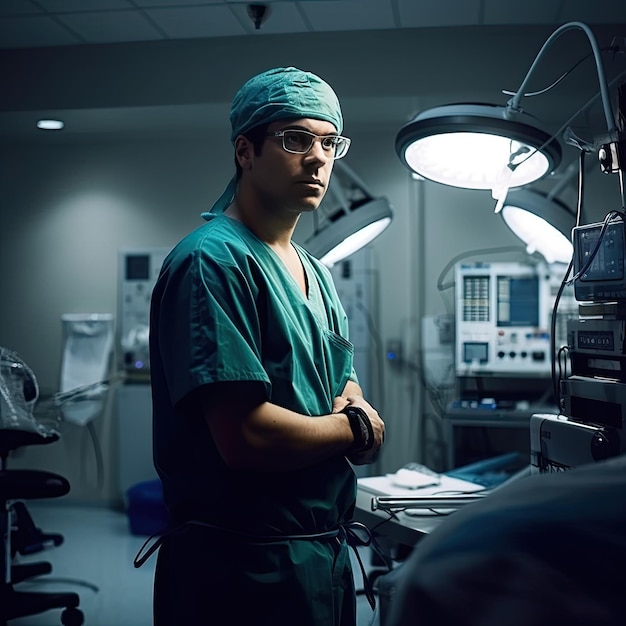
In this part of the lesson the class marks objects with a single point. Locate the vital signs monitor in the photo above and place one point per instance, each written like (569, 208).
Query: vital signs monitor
(503, 318)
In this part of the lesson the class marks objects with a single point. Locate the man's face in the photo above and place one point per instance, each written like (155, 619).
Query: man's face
(284, 181)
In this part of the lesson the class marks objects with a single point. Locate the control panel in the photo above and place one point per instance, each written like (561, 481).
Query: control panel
(503, 318)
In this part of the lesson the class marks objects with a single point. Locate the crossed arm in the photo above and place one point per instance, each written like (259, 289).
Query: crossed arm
(252, 434)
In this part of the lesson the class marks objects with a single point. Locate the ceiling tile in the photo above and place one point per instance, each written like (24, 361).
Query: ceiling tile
(24, 32)
(431, 13)
(604, 12)
(191, 22)
(68, 6)
(172, 4)
(113, 21)
(527, 12)
(332, 15)
(110, 26)
(19, 7)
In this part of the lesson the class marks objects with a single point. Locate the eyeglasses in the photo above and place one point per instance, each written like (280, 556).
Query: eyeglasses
(301, 141)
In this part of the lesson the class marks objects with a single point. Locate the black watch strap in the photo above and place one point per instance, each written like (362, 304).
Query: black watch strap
(361, 428)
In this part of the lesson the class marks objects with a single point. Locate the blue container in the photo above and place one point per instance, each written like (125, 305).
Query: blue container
(146, 510)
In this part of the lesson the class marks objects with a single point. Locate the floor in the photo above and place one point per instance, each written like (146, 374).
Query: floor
(97, 553)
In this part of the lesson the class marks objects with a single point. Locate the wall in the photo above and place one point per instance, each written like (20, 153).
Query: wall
(70, 209)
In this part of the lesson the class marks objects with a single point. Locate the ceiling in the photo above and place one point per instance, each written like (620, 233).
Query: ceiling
(43, 23)
(56, 56)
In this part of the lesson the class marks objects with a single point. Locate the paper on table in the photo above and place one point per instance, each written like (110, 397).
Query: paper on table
(385, 486)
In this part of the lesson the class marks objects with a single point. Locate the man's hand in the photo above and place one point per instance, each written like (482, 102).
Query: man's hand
(339, 404)
(363, 457)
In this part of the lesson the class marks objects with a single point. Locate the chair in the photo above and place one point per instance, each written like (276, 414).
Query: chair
(15, 486)
(26, 538)
(18, 392)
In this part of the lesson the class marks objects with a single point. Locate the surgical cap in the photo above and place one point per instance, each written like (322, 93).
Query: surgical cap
(280, 93)
(284, 92)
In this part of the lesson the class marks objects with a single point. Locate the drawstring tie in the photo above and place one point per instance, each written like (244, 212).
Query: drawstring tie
(355, 534)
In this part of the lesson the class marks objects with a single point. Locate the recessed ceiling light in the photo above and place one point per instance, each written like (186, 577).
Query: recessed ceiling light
(50, 124)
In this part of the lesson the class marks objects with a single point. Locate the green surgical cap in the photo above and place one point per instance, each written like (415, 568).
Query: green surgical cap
(283, 92)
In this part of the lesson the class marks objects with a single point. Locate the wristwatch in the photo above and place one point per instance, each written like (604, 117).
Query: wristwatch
(361, 428)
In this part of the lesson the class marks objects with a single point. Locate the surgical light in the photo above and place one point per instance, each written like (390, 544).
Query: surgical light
(482, 146)
(355, 218)
(544, 224)
(476, 146)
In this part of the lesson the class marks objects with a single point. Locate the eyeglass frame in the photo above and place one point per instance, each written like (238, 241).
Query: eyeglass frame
(281, 134)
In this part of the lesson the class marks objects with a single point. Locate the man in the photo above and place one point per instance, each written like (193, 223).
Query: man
(257, 408)
(548, 549)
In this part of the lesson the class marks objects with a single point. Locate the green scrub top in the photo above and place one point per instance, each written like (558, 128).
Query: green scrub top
(225, 309)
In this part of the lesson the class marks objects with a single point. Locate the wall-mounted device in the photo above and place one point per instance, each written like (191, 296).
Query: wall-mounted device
(138, 272)
(503, 318)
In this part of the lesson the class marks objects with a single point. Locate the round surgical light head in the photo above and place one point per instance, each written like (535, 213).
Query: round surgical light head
(477, 146)
(354, 228)
(543, 224)
(353, 243)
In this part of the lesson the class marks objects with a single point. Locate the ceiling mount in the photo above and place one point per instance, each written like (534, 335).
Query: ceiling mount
(258, 13)
(481, 146)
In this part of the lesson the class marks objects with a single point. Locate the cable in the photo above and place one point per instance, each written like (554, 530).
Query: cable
(553, 355)
(436, 393)
(561, 129)
(609, 217)
(562, 361)
(506, 92)
(513, 104)
(98, 454)
(441, 286)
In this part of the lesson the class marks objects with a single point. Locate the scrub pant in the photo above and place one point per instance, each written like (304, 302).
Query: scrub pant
(203, 575)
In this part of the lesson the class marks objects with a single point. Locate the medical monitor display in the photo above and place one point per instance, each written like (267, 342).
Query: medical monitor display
(476, 351)
(604, 279)
(518, 301)
(137, 267)
(503, 318)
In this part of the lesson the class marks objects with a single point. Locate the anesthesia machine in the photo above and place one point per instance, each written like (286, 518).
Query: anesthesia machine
(503, 317)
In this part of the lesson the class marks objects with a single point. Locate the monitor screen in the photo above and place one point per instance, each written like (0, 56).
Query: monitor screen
(475, 351)
(608, 261)
(605, 278)
(137, 267)
(518, 301)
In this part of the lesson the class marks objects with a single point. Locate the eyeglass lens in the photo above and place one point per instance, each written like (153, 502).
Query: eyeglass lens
(301, 141)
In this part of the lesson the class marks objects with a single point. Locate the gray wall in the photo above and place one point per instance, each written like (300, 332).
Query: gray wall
(71, 203)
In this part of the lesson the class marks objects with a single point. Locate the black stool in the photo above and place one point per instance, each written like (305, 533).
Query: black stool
(17, 485)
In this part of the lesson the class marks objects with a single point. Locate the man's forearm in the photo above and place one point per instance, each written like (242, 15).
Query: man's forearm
(272, 438)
